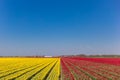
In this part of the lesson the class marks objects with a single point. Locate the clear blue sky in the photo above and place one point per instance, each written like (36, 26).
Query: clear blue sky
(57, 27)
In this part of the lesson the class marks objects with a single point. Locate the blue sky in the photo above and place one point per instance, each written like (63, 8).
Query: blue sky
(53, 27)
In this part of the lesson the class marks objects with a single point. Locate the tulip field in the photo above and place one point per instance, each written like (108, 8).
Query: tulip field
(29, 68)
(62, 68)
(76, 68)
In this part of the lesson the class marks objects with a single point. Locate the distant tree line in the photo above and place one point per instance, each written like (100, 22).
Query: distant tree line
(79, 55)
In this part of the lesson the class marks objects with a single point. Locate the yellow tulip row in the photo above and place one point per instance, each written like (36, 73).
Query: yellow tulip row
(55, 73)
(29, 68)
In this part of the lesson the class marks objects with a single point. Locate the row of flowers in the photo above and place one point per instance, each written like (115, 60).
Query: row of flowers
(90, 70)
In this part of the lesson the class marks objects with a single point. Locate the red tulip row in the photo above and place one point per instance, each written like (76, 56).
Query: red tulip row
(112, 61)
(90, 70)
(77, 73)
(66, 74)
